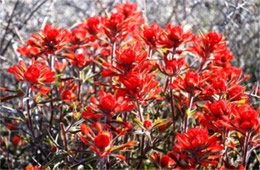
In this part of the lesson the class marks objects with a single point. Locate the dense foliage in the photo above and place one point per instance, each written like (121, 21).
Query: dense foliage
(114, 93)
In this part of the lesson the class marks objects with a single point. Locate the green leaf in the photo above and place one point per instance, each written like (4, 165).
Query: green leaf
(139, 123)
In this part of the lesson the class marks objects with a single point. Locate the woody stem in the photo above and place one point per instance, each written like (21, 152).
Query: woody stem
(29, 112)
(113, 52)
(143, 136)
(245, 148)
(149, 53)
(166, 85)
(52, 113)
(65, 143)
(171, 103)
(173, 113)
(142, 152)
(101, 163)
(30, 124)
(224, 137)
(79, 91)
(79, 86)
(187, 114)
(52, 65)
(139, 111)
(107, 163)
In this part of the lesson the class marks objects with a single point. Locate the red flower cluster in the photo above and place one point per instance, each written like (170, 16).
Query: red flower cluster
(109, 105)
(102, 143)
(208, 44)
(119, 24)
(68, 90)
(197, 148)
(151, 35)
(126, 61)
(242, 118)
(171, 66)
(49, 41)
(37, 73)
(174, 36)
(219, 114)
(102, 78)
(164, 161)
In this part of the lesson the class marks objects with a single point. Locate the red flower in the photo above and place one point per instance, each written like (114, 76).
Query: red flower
(92, 25)
(218, 108)
(246, 119)
(78, 37)
(208, 44)
(174, 36)
(214, 113)
(37, 73)
(197, 147)
(215, 83)
(222, 57)
(100, 143)
(103, 140)
(85, 34)
(85, 129)
(133, 17)
(90, 115)
(32, 74)
(191, 81)
(148, 124)
(167, 162)
(141, 86)
(16, 140)
(128, 9)
(18, 70)
(127, 57)
(30, 51)
(220, 85)
(171, 66)
(236, 93)
(109, 104)
(12, 125)
(77, 60)
(164, 161)
(68, 95)
(68, 89)
(52, 38)
(115, 26)
(49, 40)
(126, 61)
(243, 119)
(31, 167)
(212, 39)
(232, 73)
(151, 35)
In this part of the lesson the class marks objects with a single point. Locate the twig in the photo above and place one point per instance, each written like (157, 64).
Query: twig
(8, 24)
(47, 13)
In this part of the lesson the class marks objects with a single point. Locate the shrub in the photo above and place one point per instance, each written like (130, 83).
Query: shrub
(116, 93)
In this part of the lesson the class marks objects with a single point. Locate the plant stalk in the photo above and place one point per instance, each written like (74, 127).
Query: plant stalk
(245, 149)
(186, 121)
(143, 137)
